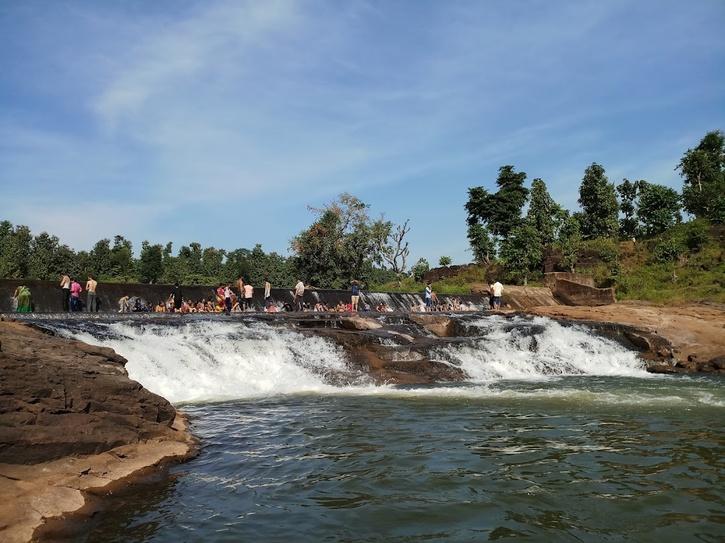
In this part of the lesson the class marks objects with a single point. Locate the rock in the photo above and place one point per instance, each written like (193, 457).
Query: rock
(359, 323)
(439, 325)
(60, 397)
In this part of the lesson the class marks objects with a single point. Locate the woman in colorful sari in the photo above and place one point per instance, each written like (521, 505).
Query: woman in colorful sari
(24, 301)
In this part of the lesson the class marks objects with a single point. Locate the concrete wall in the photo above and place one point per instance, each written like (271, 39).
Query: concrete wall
(551, 278)
(571, 293)
(47, 296)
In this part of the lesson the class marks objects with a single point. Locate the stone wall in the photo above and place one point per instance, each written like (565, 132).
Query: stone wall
(47, 295)
(571, 293)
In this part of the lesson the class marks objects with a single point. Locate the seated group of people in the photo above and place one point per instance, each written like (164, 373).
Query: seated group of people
(452, 304)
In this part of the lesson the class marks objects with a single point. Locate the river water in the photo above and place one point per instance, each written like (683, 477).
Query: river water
(558, 435)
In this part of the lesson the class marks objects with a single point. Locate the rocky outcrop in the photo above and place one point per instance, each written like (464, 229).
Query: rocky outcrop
(72, 420)
(572, 293)
(696, 333)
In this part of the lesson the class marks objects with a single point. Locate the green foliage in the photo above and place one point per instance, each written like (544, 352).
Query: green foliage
(341, 245)
(696, 234)
(150, 264)
(419, 269)
(569, 241)
(481, 243)
(598, 200)
(444, 261)
(668, 249)
(543, 212)
(15, 250)
(628, 224)
(659, 208)
(521, 252)
(703, 172)
(603, 249)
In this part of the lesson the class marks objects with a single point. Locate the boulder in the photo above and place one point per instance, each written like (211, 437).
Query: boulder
(359, 323)
(60, 397)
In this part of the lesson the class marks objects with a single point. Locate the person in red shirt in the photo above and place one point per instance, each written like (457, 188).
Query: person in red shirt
(75, 295)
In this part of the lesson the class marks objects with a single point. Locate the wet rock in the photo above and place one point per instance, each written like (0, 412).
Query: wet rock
(359, 323)
(440, 325)
(60, 397)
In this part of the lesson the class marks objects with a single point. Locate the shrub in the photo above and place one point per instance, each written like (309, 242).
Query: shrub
(668, 249)
(697, 234)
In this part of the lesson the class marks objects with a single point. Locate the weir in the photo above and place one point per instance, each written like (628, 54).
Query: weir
(205, 358)
(47, 296)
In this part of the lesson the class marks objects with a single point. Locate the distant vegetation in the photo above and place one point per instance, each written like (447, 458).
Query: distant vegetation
(630, 235)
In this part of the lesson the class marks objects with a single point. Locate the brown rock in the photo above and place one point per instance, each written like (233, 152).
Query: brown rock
(359, 323)
(439, 325)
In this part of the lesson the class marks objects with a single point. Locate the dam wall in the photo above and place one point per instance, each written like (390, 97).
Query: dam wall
(47, 296)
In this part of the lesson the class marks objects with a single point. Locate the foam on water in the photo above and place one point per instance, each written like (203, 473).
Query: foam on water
(215, 360)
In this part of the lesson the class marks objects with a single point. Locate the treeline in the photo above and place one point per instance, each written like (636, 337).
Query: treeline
(342, 244)
(23, 255)
(499, 231)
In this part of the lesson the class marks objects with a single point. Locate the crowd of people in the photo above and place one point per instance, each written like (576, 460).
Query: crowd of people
(239, 297)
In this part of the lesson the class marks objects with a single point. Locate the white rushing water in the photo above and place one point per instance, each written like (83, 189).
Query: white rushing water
(209, 360)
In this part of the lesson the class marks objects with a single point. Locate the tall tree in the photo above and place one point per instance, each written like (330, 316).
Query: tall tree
(703, 171)
(395, 251)
(492, 216)
(628, 224)
(15, 250)
(100, 259)
(569, 241)
(122, 258)
(521, 251)
(543, 212)
(43, 251)
(343, 244)
(598, 200)
(659, 208)
(150, 263)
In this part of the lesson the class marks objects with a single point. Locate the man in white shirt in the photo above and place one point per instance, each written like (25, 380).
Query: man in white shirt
(248, 295)
(299, 294)
(497, 291)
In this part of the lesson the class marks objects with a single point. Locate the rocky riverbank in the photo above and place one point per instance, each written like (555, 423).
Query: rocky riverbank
(71, 423)
(696, 332)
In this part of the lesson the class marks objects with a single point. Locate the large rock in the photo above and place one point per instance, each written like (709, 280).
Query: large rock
(60, 397)
(572, 293)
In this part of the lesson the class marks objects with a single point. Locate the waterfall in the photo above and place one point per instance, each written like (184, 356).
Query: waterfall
(215, 359)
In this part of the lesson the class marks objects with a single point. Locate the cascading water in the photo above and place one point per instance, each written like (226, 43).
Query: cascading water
(212, 360)
(521, 348)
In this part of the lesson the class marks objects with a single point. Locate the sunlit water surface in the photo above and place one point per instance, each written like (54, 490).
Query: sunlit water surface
(582, 458)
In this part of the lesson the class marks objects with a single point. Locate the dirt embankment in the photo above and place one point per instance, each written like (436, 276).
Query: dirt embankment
(696, 332)
(72, 422)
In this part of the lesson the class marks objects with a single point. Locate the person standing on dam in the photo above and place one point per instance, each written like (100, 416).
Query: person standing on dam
(299, 295)
(75, 295)
(178, 298)
(91, 286)
(65, 289)
(248, 295)
(354, 294)
(267, 291)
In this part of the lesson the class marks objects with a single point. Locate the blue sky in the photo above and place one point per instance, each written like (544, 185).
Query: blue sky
(220, 121)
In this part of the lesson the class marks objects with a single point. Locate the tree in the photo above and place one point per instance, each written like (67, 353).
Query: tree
(100, 259)
(419, 269)
(444, 261)
(598, 200)
(150, 263)
(628, 224)
(15, 250)
(341, 245)
(543, 212)
(521, 251)
(659, 208)
(569, 241)
(395, 251)
(481, 243)
(42, 264)
(122, 258)
(492, 216)
(703, 171)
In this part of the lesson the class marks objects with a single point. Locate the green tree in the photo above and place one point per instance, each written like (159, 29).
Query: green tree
(212, 261)
(101, 259)
(444, 261)
(150, 263)
(659, 208)
(598, 200)
(43, 252)
(521, 251)
(543, 212)
(122, 258)
(482, 245)
(15, 250)
(341, 245)
(569, 241)
(628, 224)
(703, 172)
(491, 217)
(419, 269)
